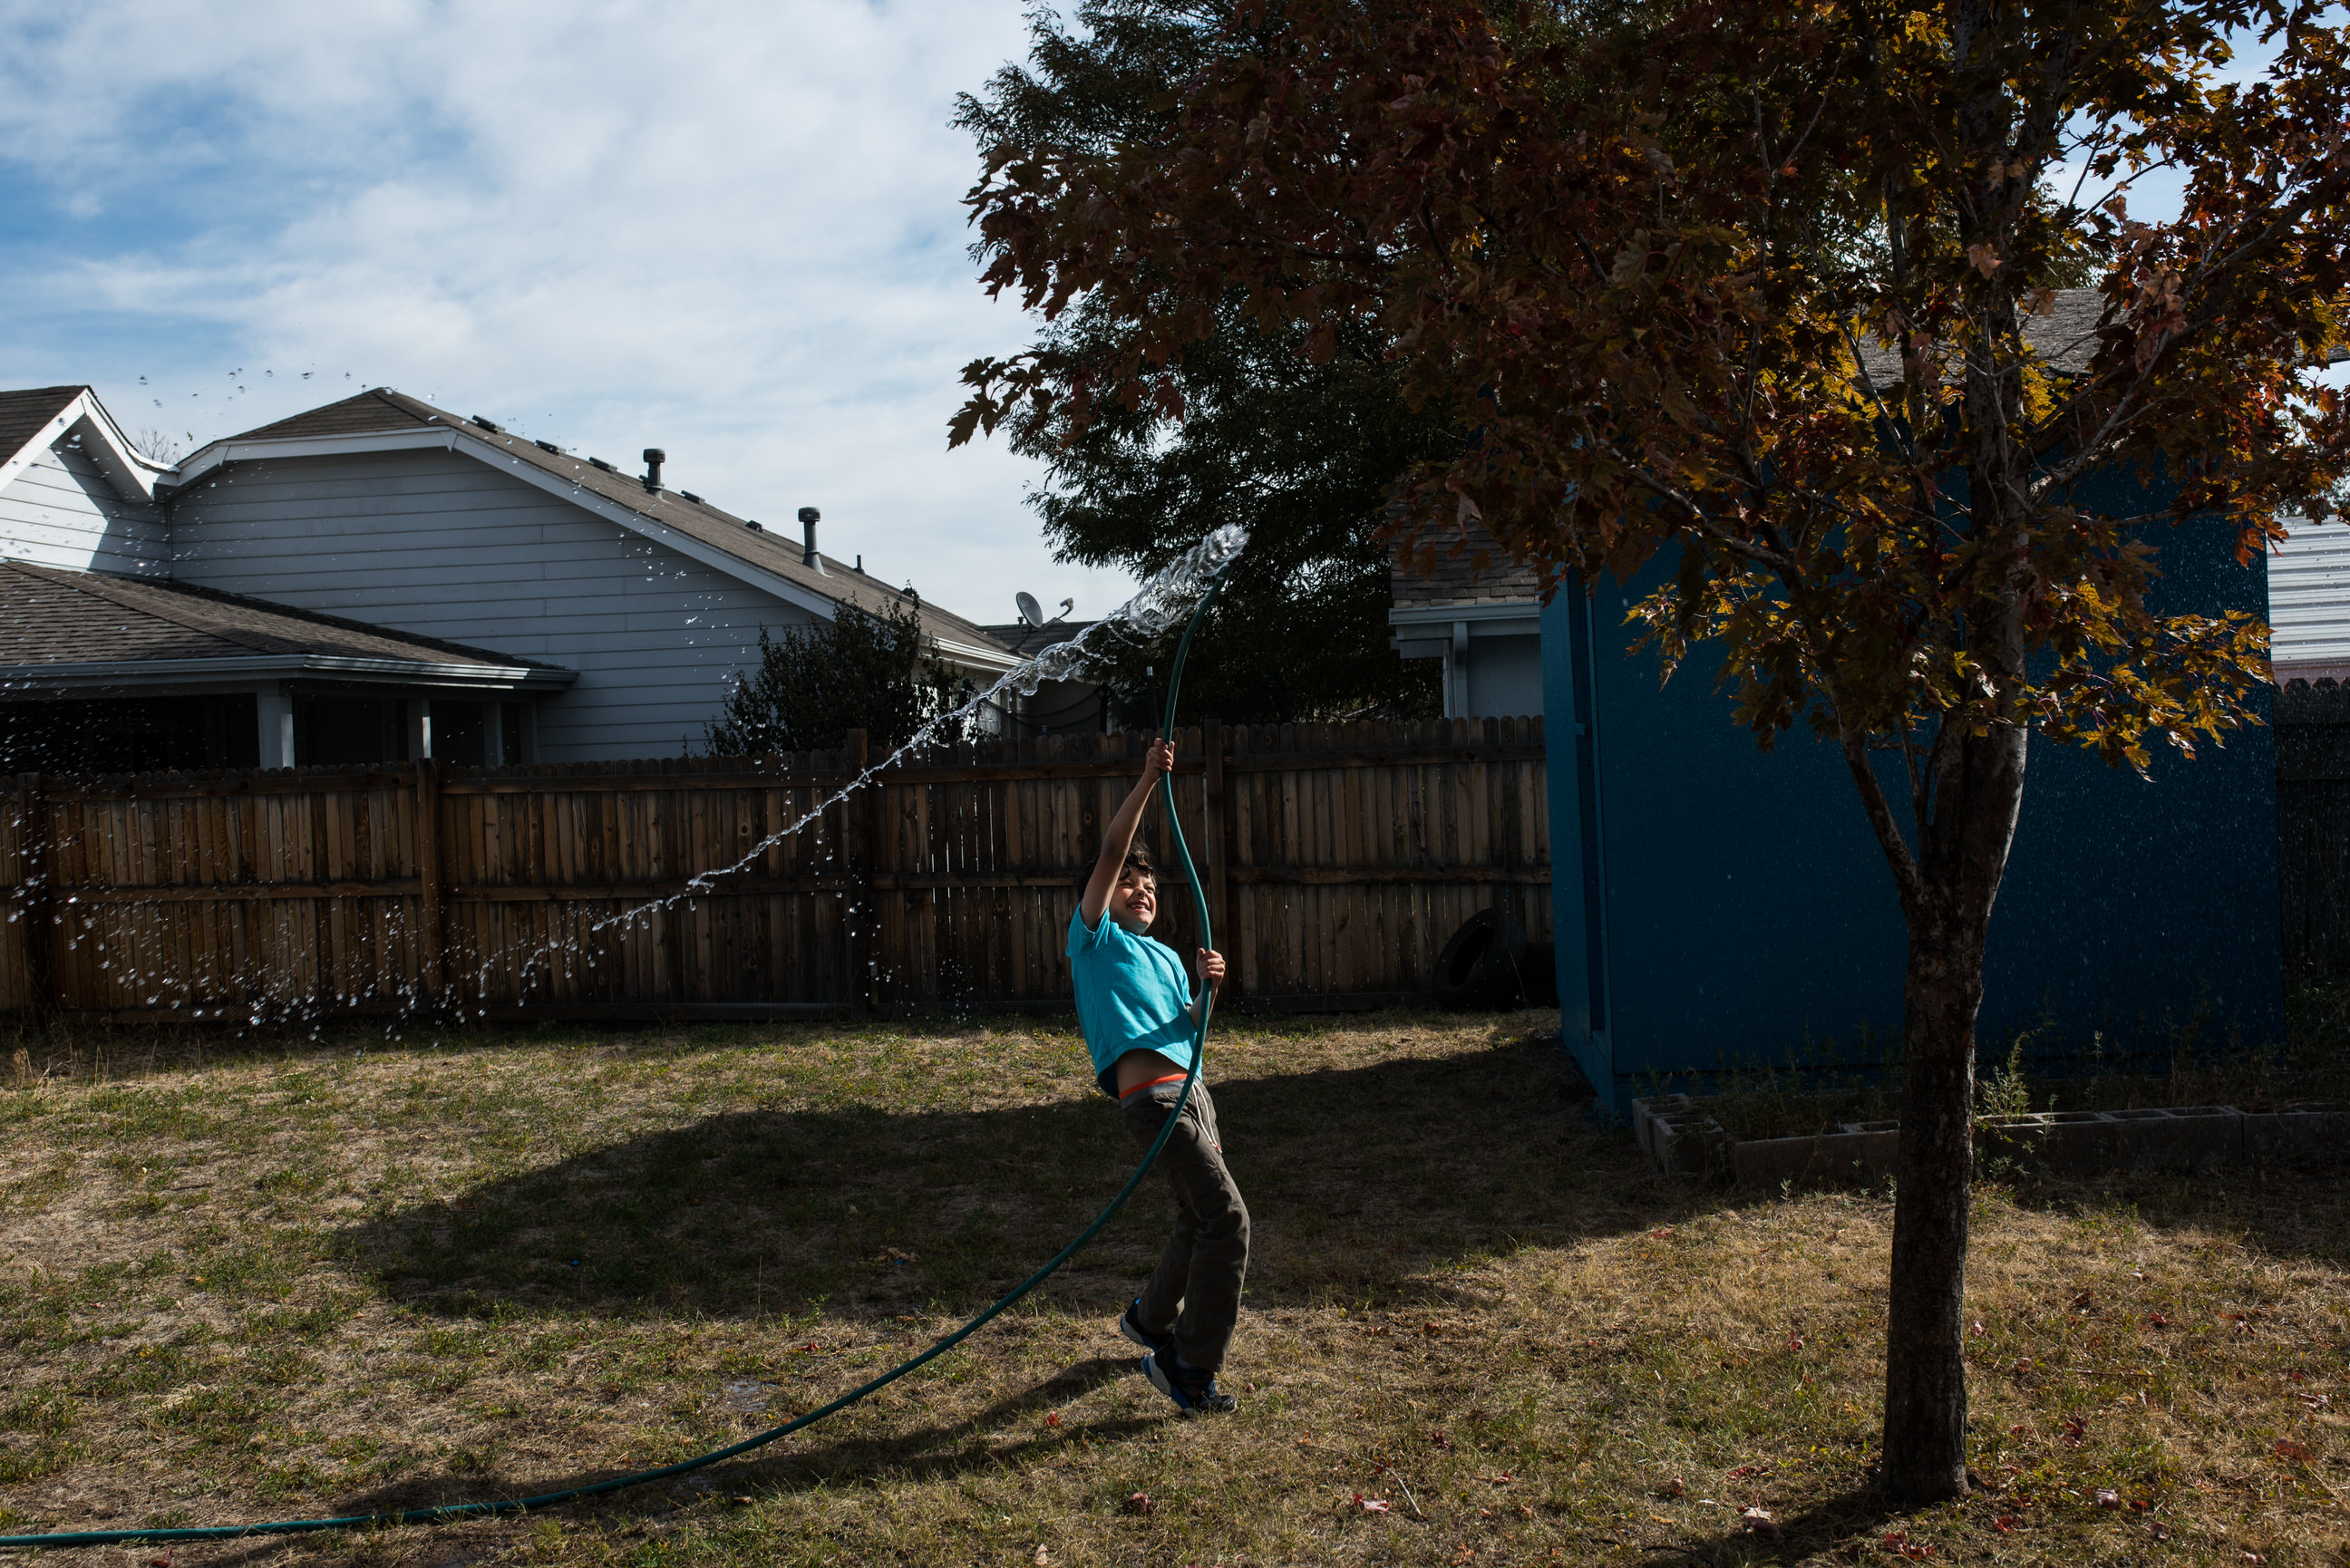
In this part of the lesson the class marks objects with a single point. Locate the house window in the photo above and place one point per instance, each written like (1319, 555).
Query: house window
(460, 738)
(332, 730)
(131, 735)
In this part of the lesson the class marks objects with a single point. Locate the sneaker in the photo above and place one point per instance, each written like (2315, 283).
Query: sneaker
(1193, 1390)
(1131, 1326)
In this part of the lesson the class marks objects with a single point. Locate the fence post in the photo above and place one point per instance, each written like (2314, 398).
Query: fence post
(857, 854)
(432, 940)
(39, 908)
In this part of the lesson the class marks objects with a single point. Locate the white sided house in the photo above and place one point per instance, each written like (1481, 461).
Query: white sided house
(538, 606)
(2309, 604)
(73, 493)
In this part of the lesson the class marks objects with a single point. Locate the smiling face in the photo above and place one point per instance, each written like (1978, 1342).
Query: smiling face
(1135, 899)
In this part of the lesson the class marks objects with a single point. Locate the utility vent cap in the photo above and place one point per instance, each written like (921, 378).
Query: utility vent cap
(809, 517)
(754, 524)
(490, 425)
(690, 495)
(548, 446)
(599, 463)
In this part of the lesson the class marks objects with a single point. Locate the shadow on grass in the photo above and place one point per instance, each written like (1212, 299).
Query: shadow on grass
(948, 1448)
(1839, 1526)
(1359, 1181)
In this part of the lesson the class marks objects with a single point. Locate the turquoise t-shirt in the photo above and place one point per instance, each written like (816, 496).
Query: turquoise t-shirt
(1132, 995)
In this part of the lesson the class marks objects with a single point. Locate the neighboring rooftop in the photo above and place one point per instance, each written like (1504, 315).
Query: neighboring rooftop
(24, 414)
(53, 617)
(2066, 339)
(775, 547)
(1482, 573)
(1027, 641)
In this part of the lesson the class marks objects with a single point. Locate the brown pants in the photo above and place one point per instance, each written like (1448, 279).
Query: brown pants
(1206, 1260)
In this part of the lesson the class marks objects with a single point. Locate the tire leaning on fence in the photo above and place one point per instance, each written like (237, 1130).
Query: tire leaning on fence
(1482, 966)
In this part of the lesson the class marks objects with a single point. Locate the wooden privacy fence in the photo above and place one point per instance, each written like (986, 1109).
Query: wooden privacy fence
(1337, 858)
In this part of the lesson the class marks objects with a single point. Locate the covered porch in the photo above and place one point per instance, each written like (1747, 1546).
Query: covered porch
(103, 674)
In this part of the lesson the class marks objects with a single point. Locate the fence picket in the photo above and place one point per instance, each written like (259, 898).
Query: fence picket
(1337, 858)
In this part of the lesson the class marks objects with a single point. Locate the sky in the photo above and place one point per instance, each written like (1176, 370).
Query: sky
(730, 230)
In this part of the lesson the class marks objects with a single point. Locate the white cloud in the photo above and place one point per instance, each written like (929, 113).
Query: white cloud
(730, 230)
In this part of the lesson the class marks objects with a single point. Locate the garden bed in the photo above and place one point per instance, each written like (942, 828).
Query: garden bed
(1682, 1134)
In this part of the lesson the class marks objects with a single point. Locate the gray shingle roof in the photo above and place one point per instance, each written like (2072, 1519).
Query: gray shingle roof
(52, 617)
(772, 550)
(378, 408)
(2066, 339)
(1483, 573)
(24, 414)
(1028, 640)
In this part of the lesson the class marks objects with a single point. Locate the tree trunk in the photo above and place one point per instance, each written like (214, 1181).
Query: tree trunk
(1964, 857)
(1925, 1367)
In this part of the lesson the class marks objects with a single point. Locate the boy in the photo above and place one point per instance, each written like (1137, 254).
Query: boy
(1140, 1021)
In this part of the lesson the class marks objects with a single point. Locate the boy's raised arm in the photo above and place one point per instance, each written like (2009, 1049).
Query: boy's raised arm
(1118, 838)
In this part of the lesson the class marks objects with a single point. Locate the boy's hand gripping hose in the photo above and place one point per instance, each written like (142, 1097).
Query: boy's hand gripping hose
(440, 1512)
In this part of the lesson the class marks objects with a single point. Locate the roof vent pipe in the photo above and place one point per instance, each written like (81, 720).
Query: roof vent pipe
(654, 458)
(808, 557)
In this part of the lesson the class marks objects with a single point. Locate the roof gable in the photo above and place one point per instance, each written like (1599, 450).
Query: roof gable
(36, 418)
(381, 419)
(377, 408)
(25, 414)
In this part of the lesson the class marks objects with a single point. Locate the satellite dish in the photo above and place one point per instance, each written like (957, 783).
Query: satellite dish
(1030, 611)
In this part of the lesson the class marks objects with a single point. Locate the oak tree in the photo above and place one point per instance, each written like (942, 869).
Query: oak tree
(1762, 309)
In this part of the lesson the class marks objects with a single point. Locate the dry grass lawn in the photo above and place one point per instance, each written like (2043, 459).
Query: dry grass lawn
(362, 1273)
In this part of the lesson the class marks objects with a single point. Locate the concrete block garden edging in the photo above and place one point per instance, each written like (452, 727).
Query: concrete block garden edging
(1678, 1133)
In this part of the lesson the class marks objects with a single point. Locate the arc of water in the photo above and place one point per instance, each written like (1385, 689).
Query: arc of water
(1162, 603)
(444, 1511)
(1157, 607)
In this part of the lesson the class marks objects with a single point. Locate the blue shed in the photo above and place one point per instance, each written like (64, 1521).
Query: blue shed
(1719, 904)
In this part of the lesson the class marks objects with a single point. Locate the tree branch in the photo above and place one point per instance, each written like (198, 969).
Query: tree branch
(1908, 881)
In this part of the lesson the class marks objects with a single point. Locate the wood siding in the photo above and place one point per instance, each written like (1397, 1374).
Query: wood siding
(60, 511)
(1337, 859)
(441, 545)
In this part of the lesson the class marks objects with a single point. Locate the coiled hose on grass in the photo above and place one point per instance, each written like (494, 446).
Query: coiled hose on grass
(441, 1512)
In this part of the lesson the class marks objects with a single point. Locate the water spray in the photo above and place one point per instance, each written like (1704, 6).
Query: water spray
(1191, 585)
(1185, 585)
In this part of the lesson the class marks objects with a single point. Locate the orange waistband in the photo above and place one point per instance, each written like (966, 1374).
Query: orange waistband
(1142, 1088)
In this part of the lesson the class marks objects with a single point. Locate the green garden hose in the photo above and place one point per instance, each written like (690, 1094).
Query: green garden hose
(441, 1512)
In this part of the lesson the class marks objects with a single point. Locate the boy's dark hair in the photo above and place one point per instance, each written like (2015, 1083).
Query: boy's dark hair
(1138, 858)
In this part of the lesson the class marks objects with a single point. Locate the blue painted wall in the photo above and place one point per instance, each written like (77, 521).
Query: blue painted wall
(1717, 904)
